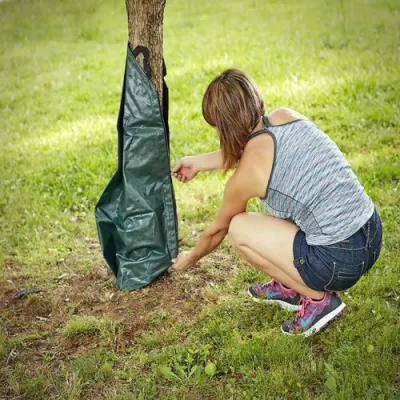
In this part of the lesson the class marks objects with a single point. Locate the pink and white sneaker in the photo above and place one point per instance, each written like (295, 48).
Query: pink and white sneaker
(314, 315)
(275, 292)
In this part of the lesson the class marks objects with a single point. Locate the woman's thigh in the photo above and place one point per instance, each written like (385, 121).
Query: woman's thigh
(272, 238)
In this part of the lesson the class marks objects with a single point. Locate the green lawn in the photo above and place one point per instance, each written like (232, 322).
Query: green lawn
(61, 70)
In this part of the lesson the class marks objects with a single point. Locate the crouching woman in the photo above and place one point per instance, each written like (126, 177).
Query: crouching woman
(323, 232)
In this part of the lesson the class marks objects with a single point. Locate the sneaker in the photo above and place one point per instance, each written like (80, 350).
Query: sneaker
(275, 292)
(314, 315)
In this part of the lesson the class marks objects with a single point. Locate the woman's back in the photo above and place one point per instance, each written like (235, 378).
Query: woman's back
(312, 184)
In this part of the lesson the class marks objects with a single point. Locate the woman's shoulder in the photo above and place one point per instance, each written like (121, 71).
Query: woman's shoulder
(283, 115)
(255, 165)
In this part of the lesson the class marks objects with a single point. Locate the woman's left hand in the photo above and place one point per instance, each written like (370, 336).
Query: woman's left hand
(182, 262)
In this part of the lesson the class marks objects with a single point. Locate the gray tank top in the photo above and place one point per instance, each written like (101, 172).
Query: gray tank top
(312, 184)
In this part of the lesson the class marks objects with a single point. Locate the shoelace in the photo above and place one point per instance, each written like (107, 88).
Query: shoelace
(271, 283)
(304, 302)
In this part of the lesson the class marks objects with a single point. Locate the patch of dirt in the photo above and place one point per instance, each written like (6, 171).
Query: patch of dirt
(181, 296)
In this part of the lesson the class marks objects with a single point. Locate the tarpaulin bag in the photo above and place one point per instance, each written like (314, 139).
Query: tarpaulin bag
(136, 215)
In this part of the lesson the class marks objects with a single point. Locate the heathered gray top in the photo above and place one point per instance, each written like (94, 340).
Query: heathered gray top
(312, 184)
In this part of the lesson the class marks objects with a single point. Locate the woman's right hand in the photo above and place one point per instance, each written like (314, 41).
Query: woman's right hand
(186, 169)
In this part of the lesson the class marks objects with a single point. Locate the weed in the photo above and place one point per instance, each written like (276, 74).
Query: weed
(28, 384)
(83, 325)
(20, 340)
(3, 344)
(33, 387)
(158, 317)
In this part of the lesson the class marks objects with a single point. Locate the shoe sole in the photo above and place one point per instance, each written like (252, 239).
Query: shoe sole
(282, 304)
(321, 324)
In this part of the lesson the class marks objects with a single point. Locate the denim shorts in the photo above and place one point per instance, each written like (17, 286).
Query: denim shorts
(338, 266)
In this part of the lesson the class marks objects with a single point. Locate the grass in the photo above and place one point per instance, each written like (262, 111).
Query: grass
(60, 83)
(3, 345)
(86, 325)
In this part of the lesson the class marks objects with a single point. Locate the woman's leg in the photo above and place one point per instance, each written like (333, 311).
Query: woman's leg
(267, 243)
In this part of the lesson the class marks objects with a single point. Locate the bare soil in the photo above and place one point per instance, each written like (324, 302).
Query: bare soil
(39, 318)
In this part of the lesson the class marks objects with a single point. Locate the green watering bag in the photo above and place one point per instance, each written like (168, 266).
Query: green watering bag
(136, 215)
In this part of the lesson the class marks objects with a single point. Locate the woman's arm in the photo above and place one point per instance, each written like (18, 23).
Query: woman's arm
(234, 202)
(239, 189)
(249, 180)
(188, 167)
(209, 161)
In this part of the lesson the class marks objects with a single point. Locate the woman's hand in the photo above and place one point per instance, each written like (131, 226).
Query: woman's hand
(186, 169)
(182, 262)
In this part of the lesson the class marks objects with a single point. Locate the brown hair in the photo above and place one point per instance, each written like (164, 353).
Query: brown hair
(233, 104)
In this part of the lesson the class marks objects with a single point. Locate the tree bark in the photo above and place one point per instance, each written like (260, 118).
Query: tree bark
(145, 27)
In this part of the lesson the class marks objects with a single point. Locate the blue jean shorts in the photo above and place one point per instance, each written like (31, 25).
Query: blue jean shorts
(338, 266)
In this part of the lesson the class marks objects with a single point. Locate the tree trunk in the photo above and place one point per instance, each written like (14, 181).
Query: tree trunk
(145, 26)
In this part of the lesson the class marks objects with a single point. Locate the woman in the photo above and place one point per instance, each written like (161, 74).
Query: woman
(323, 233)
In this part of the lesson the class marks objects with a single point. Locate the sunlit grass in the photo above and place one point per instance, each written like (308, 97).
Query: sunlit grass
(60, 84)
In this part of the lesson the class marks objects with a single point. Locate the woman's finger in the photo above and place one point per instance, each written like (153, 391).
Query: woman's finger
(177, 167)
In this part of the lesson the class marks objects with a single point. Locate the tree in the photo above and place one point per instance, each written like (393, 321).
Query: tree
(145, 27)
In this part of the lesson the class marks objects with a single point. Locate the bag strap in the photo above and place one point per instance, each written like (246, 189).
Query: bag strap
(145, 51)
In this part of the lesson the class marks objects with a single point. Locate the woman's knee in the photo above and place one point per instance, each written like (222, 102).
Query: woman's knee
(236, 229)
